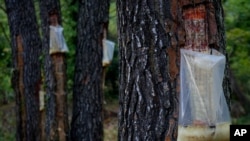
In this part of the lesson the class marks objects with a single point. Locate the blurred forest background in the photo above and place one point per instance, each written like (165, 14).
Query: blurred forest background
(237, 26)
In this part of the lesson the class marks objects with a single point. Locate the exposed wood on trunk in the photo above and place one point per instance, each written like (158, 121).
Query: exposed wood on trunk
(196, 28)
(18, 71)
(26, 80)
(59, 131)
(20, 90)
(151, 34)
(57, 127)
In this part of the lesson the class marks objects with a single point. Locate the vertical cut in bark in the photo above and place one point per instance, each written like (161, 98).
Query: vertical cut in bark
(150, 35)
(26, 49)
(55, 76)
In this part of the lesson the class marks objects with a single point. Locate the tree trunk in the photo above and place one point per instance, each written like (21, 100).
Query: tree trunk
(26, 49)
(55, 76)
(150, 35)
(87, 94)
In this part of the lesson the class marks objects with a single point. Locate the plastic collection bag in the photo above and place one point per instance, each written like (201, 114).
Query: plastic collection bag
(203, 113)
(57, 41)
(108, 52)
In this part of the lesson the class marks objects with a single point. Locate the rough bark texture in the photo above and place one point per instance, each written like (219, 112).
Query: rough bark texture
(151, 34)
(147, 95)
(26, 49)
(221, 43)
(87, 94)
(55, 78)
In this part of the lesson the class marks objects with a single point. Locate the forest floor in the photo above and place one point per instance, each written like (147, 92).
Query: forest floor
(8, 121)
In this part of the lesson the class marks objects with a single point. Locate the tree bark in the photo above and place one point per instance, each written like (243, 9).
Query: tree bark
(87, 120)
(150, 35)
(26, 79)
(55, 77)
(148, 99)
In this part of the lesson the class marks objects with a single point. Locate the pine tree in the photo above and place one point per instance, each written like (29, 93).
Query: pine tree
(150, 35)
(26, 50)
(87, 120)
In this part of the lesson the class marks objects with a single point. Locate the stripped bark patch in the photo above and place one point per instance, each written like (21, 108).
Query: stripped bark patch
(173, 69)
(196, 28)
(20, 92)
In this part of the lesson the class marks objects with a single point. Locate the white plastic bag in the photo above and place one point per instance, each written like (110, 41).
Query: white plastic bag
(108, 51)
(57, 41)
(203, 113)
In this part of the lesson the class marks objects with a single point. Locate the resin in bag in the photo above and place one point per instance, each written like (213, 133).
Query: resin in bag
(204, 114)
(57, 41)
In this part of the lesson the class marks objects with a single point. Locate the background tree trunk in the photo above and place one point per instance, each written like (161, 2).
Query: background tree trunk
(150, 35)
(26, 49)
(87, 120)
(55, 77)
